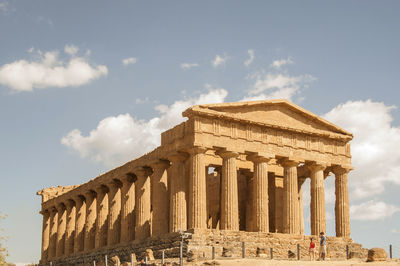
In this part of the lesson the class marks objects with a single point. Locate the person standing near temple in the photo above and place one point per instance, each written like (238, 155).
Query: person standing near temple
(322, 246)
(312, 249)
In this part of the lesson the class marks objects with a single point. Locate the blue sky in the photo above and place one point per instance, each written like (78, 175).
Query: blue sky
(82, 82)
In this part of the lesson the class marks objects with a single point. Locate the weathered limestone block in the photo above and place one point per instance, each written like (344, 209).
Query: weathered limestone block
(149, 254)
(115, 260)
(262, 252)
(227, 252)
(192, 255)
(377, 254)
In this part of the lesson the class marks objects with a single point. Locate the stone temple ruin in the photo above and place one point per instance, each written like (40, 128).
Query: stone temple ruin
(231, 173)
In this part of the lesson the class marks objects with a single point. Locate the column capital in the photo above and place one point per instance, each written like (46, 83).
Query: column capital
(129, 178)
(258, 158)
(177, 156)
(159, 164)
(196, 150)
(339, 169)
(61, 206)
(114, 184)
(316, 166)
(44, 212)
(142, 171)
(90, 193)
(289, 162)
(101, 189)
(227, 154)
(69, 204)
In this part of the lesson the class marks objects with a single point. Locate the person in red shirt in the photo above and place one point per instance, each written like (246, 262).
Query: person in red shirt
(312, 249)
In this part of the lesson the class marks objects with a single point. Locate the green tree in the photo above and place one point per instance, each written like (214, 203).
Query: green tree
(3, 249)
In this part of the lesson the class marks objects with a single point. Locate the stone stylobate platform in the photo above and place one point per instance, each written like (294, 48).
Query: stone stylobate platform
(230, 166)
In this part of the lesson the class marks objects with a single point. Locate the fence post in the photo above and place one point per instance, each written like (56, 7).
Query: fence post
(271, 251)
(105, 260)
(243, 250)
(94, 262)
(298, 251)
(390, 251)
(213, 252)
(181, 253)
(347, 252)
(162, 257)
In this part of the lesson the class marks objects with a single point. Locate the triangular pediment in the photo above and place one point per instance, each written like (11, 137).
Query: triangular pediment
(277, 113)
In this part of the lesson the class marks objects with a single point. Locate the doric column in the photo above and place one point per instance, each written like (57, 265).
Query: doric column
(143, 215)
(80, 218)
(290, 198)
(260, 193)
(317, 204)
(53, 233)
(229, 192)
(70, 231)
(114, 211)
(177, 206)
(62, 223)
(90, 223)
(102, 216)
(128, 208)
(197, 189)
(342, 215)
(45, 235)
(159, 198)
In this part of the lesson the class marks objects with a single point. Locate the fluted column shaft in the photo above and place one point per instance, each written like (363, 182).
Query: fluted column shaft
(45, 235)
(70, 231)
(143, 204)
(53, 233)
(260, 194)
(80, 218)
(62, 223)
(128, 210)
(114, 221)
(342, 214)
(197, 189)
(178, 214)
(290, 198)
(229, 192)
(317, 204)
(159, 198)
(102, 217)
(90, 223)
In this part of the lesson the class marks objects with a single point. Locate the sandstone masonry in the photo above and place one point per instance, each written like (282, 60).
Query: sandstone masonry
(231, 173)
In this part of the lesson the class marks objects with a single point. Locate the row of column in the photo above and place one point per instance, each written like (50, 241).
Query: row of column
(124, 210)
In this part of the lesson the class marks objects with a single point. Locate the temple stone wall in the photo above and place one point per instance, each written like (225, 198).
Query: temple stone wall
(260, 152)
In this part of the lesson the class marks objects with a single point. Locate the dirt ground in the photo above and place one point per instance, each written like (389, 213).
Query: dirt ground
(261, 262)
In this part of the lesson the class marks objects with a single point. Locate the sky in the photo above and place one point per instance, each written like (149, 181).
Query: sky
(88, 85)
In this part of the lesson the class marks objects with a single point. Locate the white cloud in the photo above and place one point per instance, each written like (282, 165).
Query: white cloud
(375, 147)
(3, 6)
(277, 85)
(187, 66)
(372, 210)
(118, 139)
(251, 57)
(71, 49)
(277, 64)
(219, 60)
(50, 71)
(129, 61)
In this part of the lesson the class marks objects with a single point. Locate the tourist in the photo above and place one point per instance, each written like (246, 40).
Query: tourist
(322, 246)
(312, 249)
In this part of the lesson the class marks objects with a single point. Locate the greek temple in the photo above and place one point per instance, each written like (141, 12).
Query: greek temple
(230, 171)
